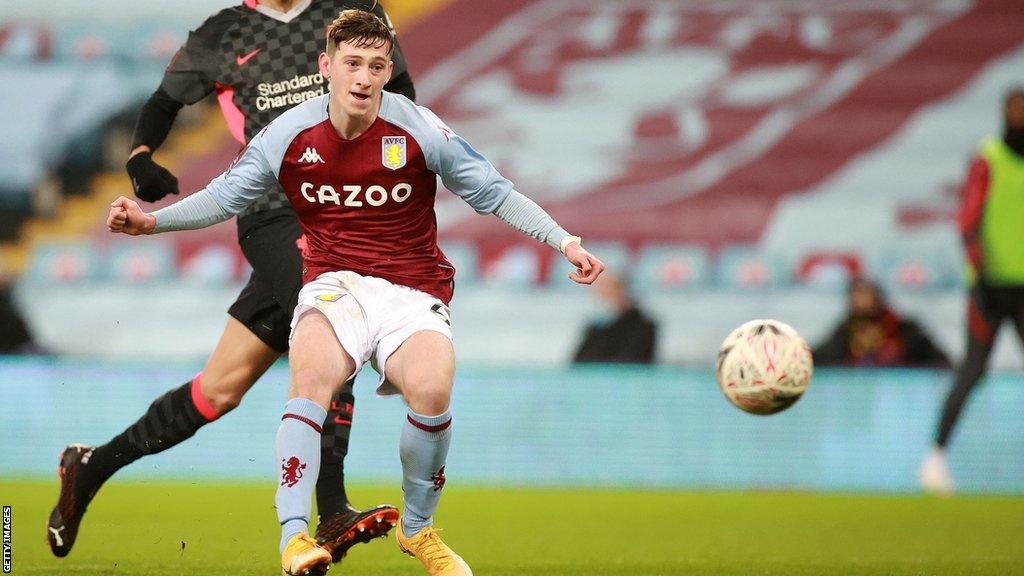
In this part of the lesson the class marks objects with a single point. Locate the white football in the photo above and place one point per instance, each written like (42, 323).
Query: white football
(764, 367)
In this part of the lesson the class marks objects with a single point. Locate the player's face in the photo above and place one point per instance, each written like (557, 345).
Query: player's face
(356, 76)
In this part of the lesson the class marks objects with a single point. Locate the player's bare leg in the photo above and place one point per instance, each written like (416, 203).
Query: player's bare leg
(239, 359)
(319, 367)
(423, 369)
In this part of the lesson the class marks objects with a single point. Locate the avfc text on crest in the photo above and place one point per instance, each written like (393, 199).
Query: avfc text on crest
(392, 152)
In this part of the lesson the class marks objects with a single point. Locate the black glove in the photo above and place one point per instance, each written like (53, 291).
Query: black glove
(150, 181)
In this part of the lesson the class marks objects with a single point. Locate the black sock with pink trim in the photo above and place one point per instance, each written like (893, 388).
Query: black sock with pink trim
(330, 486)
(170, 420)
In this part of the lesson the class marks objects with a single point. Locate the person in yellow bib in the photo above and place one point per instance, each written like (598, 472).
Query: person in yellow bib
(992, 226)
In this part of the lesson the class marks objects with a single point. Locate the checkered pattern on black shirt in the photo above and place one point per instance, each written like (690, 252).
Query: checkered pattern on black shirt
(260, 66)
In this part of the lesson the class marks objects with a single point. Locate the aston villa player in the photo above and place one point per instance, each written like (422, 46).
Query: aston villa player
(260, 59)
(360, 167)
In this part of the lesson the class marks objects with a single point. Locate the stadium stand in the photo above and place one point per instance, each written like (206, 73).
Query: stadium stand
(141, 262)
(517, 265)
(69, 262)
(830, 270)
(755, 186)
(910, 267)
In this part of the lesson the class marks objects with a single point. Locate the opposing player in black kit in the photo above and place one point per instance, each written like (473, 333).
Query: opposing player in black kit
(261, 59)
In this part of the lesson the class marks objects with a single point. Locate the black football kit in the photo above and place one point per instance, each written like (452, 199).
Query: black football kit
(258, 65)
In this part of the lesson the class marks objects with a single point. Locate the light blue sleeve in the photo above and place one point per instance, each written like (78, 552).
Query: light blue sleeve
(250, 177)
(462, 169)
(225, 196)
(256, 171)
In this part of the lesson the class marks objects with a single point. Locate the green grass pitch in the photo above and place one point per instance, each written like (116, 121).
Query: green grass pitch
(198, 528)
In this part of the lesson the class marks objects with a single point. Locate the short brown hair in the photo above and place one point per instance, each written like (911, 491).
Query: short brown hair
(363, 29)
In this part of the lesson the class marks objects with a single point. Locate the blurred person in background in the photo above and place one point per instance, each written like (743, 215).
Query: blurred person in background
(992, 226)
(260, 58)
(15, 337)
(873, 334)
(625, 335)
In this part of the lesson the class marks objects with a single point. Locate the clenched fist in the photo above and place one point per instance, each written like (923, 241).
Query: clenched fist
(127, 218)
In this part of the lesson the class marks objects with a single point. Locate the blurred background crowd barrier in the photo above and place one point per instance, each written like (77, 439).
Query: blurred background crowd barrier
(594, 426)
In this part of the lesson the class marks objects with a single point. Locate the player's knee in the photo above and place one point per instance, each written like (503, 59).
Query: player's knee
(222, 396)
(429, 397)
(224, 402)
(225, 391)
(311, 383)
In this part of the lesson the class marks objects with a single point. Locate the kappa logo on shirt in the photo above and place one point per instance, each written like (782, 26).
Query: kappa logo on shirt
(311, 155)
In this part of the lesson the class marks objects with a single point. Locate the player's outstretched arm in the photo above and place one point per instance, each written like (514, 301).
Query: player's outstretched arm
(126, 217)
(470, 176)
(526, 216)
(588, 266)
(225, 196)
(196, 211)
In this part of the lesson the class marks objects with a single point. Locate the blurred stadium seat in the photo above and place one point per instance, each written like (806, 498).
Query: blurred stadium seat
(748, 268)
(145, 40)
(64, 263)
(672, 267)
(828, 270)
(518, 266)
(37, 137)
(913, 267)
(213, 264)
(139, 262)
(615, 255)
(69, 82)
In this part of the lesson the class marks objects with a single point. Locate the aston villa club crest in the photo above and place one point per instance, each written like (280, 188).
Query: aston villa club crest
(392, 152)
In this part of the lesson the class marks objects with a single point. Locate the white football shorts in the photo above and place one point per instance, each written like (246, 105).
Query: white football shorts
(371, 316)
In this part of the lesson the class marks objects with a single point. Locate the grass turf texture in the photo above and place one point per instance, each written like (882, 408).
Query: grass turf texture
(196, 528)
